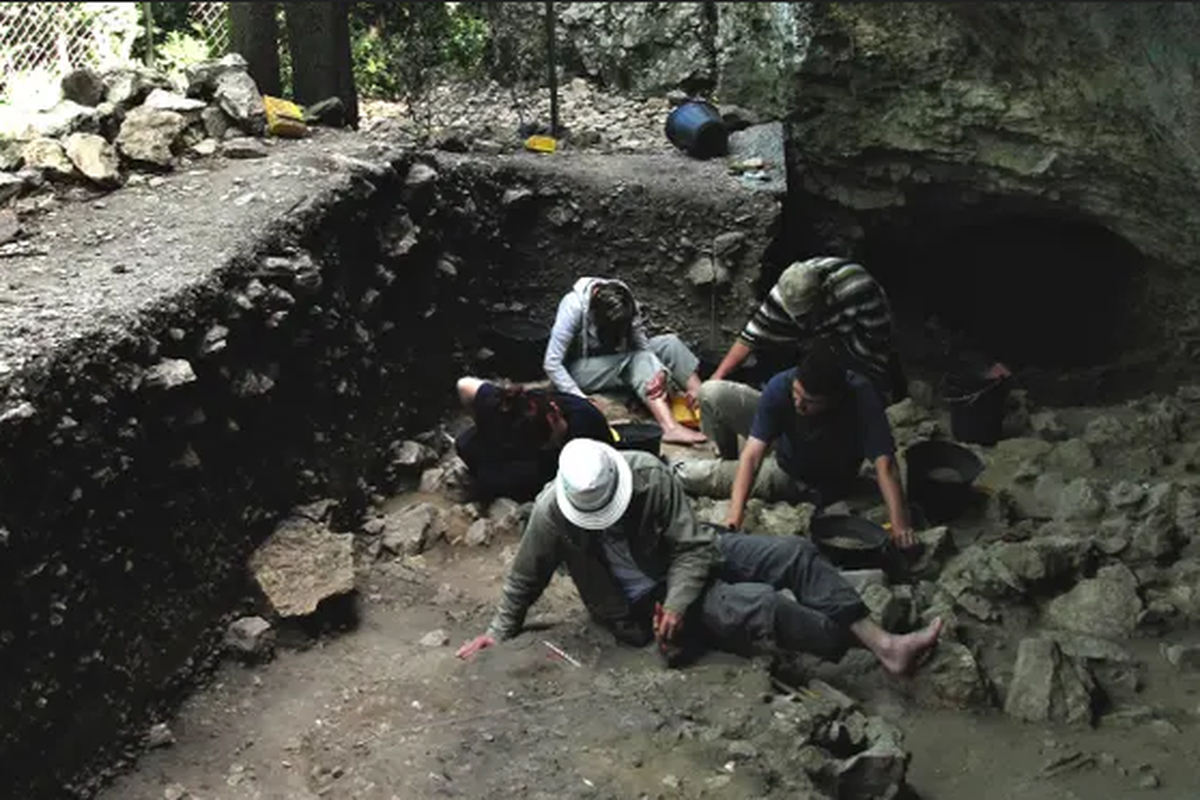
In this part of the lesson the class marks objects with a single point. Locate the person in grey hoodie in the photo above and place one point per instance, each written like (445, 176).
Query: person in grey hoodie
(598, 342)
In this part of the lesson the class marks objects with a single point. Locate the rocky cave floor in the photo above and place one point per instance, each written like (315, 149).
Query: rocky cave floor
(1067, 669)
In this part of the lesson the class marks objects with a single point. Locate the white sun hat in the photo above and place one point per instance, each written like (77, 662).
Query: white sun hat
(593, 485)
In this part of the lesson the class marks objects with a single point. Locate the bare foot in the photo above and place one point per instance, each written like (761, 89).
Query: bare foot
(902, 652)
(678, 434)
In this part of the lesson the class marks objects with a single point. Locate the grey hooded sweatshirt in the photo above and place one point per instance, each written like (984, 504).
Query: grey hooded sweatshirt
(574, 333)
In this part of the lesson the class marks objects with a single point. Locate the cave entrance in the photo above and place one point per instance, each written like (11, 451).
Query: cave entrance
(1032, 290)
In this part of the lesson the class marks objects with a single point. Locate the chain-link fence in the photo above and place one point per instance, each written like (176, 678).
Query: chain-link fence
(41, 42)
(211, 23)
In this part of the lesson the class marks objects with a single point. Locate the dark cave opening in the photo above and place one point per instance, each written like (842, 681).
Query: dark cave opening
(1029, 289)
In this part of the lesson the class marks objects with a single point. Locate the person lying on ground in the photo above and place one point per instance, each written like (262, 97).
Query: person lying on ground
(646, 569)
(820, 419)
(824, 297)
(598, 342)
(512, 449)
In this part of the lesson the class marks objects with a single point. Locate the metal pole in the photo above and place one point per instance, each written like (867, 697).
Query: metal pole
(552, 67)
(148, 19)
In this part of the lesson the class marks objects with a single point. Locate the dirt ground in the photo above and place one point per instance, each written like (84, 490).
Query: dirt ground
(375, 713)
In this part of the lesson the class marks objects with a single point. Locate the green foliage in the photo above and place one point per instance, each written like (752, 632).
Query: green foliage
(401, 49)
(178, 51)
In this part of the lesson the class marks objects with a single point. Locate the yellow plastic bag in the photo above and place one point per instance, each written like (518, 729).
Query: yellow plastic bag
(684, 414)
(541, 144)
(284, 118)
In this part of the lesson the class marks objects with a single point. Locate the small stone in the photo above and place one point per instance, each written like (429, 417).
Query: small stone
(420, 175)
(438, 638)
(480, 533)
(170, 373)
(175, 791)
(1162, 727)
(671, 782)
(412, 455)
(216, 123)
(331, 112)
(506, 517)
(205, 147)
(1184, 657)
(408, 531)
(250, 638)
(1148, 781)
(1107, 606)
(707, 272)
(243, 147)
(10, 226)
(515, 196)
(160, 736)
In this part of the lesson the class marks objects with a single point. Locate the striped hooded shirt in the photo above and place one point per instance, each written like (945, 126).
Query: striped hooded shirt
(826, 297)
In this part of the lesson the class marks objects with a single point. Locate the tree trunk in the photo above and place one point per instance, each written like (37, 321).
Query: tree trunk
(319, 42)
(255, 35)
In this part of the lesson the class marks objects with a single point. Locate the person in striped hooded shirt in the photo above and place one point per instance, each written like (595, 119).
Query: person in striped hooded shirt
(818, 298)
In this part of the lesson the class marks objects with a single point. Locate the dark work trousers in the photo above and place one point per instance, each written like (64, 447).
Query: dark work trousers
(742, 610)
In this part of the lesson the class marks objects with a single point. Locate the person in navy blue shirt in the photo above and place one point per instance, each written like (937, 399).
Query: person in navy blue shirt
(820, 419)
(512, 449)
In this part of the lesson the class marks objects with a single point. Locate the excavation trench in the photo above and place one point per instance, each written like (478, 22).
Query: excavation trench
(147, 454)
(145, 458)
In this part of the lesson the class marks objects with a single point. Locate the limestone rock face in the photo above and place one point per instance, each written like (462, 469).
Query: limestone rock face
(1086, 107)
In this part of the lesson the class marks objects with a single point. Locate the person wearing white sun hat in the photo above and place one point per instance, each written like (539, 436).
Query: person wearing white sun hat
(647, 569)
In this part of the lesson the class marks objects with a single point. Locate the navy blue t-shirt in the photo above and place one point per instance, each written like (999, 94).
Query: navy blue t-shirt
(828, 447)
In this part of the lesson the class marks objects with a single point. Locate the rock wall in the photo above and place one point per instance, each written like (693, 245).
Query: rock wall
(740, 53)
(140, 468)
(1075, 109)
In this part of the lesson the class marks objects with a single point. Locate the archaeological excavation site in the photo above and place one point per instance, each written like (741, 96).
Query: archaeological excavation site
(239, 549)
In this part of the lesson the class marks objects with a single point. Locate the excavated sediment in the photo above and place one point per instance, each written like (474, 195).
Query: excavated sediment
(160, 417)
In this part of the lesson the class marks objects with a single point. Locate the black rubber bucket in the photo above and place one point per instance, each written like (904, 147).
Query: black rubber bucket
(697, 129)
(855, 543)
(977, 407)
(519, 345)
(643, 436)
(940, 478)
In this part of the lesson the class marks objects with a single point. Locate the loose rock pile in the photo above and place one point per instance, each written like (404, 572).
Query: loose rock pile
(130, 119)
(489, 118)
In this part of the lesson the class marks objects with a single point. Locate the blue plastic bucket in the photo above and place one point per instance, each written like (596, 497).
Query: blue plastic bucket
(697, 129)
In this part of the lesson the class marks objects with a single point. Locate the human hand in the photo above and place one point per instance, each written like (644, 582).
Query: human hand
(667, 624)
(693, 399)
(475, 645)
(657, 386)
(904, 539)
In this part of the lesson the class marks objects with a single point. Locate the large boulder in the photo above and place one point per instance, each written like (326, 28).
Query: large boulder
(127, 87)
(302, 564)
(227, 82)
(151, 136)
(84, 86)
(94, 157)
(1107, 606)
(48, 156)
(1049, 687)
